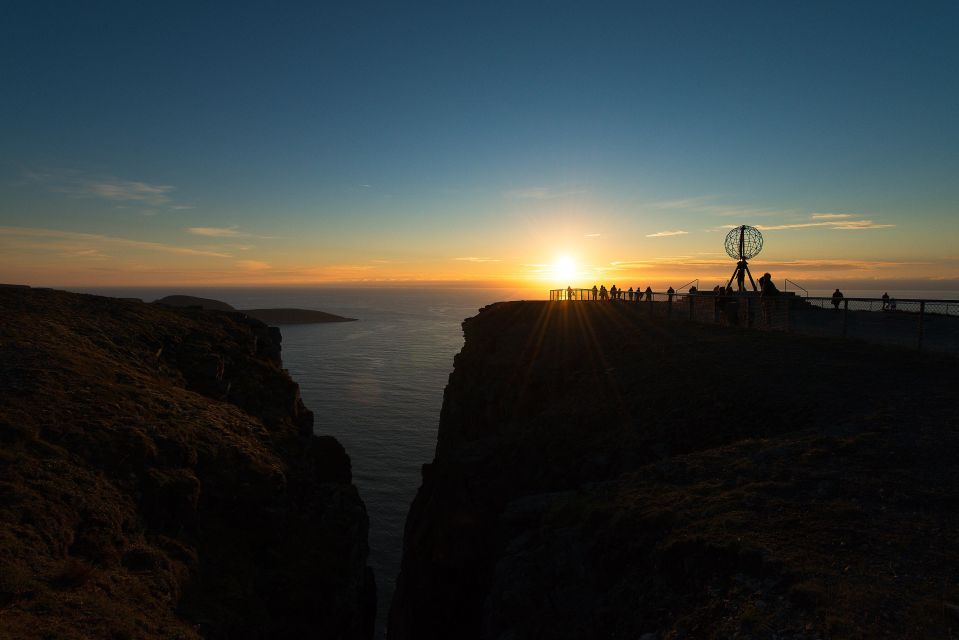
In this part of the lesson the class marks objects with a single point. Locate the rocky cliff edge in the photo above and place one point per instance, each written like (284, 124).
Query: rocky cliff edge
(159, 478)
(603, 474)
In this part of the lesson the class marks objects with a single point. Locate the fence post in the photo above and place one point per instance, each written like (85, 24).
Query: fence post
(845, 316)
(922, 315)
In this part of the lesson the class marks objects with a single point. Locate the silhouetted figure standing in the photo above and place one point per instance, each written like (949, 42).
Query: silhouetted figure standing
(885, 301)
(569, 293)
(731, 306)
(629, 294)
(669, 294)
(613, 292)
(602, 292)
(649, 293)
(836, 298)
(767, 294)
(595, 292)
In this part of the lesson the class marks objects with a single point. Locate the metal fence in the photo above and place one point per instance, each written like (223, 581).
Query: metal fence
(919, 324)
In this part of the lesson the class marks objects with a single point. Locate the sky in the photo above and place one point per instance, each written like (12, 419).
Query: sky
(484, 142)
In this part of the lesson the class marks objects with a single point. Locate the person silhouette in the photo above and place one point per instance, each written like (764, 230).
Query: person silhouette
(569, 293)
(669, 294)
(885, 301)
(649, 293)
(767, 295)
(766, 286)
(836, 298)
(602, 292)
(629, 294)
(595, 292)
(613, 292)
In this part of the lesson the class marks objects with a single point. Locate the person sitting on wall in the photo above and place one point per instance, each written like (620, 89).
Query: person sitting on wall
(766, 286)
(836, 298)
(767, 293)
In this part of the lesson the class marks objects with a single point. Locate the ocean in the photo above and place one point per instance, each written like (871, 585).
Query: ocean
(375, 384)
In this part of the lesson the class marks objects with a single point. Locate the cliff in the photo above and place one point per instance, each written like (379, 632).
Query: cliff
(160, 479)
(603, 474)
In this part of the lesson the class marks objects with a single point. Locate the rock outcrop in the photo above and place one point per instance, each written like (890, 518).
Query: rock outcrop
(603, 474)
(268, 316)
(159, 478)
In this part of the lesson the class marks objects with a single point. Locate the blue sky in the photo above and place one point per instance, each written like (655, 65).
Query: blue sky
(233, 142)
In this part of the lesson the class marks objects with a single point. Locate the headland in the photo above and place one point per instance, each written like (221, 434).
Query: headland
(268, 316)
(160, 479)
(604, 473)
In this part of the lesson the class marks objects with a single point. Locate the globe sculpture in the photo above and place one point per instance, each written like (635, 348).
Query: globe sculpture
(743, 243)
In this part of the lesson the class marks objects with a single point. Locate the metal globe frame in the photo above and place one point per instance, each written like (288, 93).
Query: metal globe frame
(742, 244)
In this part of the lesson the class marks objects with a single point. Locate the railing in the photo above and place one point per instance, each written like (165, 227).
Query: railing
(919, 324)
(788, 282)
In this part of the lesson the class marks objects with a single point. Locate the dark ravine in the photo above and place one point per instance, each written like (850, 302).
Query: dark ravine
(602, 474)
(159, 478)
(268, 316)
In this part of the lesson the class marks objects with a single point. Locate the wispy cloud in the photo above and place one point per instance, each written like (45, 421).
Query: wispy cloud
(830, 216)
(81, 184)
(217, 232)
(841, 224)
(97, 241)
(591, 235)
(542, 193)
(712, 205)
(477, 259)
(663, 234)
(130, 190)
(253, 265)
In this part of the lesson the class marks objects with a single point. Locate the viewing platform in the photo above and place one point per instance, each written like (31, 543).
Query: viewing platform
(923, 324)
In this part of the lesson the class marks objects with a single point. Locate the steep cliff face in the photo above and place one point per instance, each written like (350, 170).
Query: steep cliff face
(159, 478)
(601, 474)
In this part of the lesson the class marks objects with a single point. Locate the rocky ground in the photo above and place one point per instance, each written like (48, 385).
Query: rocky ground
(159, 478)
(601, 473)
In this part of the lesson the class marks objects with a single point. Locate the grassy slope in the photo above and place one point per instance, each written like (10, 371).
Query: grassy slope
(157, 479)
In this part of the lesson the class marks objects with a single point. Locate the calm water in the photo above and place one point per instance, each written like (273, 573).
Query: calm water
(375, 384)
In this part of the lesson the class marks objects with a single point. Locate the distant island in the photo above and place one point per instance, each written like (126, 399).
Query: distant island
(269, 316)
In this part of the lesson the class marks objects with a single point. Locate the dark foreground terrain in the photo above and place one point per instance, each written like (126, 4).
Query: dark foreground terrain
(604, 474)
(159, 478)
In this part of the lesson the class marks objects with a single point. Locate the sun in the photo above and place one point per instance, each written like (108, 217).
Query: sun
(564, 269)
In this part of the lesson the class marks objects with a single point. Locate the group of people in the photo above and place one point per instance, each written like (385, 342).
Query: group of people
(766, 288)
(631, 295)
